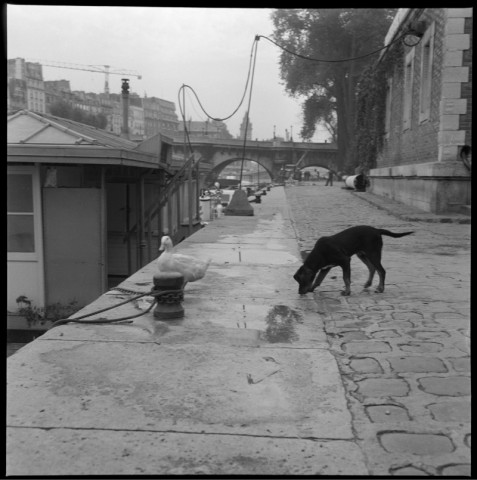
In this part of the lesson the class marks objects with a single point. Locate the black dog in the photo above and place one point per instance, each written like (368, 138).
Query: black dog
(337, 250)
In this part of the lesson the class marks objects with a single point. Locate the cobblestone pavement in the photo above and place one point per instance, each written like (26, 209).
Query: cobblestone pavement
(404, 355)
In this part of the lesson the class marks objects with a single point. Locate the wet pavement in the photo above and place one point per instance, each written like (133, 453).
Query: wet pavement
(243, 384)
(256, 379)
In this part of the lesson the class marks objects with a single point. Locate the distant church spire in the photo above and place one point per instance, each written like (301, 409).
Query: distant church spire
(243, 125)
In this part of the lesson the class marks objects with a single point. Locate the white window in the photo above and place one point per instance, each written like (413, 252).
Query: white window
(389, 93)
(23, 214)
(25, 271)
(20, 227)
(427, 54)
(408, 81)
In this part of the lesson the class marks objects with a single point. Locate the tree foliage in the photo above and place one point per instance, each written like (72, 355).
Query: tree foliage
(371, 107)
(65, 110)
(328, 87)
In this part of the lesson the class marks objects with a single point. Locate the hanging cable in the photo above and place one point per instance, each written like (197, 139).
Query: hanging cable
(248, 110)
(181, 101)
(186, 133)
(184, 121)
(243, 96)
(190, 99)
(304, 57)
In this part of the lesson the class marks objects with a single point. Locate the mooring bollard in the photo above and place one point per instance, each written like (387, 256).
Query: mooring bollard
(169, 305)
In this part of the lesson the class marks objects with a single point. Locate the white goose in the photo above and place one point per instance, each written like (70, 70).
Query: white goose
(191, 268)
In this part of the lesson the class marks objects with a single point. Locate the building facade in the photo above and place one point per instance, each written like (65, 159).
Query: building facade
(16, 94)
(210, 128)
(57, 91)
(159, 116)
(29, 87)
(428, 111)
(147, 116)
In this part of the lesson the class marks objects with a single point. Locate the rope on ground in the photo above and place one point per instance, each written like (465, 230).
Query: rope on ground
(153, 293)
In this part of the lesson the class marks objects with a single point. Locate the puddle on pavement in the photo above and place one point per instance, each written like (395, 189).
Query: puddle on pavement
(281, 324)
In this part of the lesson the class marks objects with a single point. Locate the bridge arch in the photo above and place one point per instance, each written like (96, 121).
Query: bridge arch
(273, 155)
(325, 162)
(219, 167)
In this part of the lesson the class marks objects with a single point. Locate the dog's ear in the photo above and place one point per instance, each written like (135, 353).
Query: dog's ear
(298, 274)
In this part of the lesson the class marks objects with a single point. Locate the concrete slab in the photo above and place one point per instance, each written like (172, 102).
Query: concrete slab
(180, 388)
(238, 321)
(159, 453)
(224, 231)
(244, 383)
(229, 280)
(271, 252)
(251, 281)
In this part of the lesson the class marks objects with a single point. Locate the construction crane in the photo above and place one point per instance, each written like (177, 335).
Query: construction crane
(106, 69)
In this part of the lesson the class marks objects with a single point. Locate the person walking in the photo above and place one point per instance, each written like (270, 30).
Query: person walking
(329, 180)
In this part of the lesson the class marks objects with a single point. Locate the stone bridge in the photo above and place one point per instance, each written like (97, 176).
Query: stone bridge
(273, 155)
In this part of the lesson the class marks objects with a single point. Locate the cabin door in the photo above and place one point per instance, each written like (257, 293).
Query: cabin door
(73, 243)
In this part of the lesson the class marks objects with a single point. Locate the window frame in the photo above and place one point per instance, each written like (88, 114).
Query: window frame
(36, 255)
(388, 107)
(408, 89)
(425, 92)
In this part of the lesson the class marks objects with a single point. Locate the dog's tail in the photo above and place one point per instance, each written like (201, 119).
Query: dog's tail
(395, 235)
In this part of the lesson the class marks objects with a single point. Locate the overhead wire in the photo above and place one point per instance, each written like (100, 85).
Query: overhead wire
(304, 57)
(198, 112)
(181, 102)
(248, 111)
(351, 59)
(243, 95)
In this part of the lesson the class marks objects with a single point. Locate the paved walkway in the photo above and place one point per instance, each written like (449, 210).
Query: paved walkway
(404, 354)
(256, 379)
(244, 384)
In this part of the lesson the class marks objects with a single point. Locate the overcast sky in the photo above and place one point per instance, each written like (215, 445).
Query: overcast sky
(206, 48)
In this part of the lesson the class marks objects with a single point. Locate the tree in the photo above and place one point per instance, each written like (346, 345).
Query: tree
(65, 110)
(328, 87)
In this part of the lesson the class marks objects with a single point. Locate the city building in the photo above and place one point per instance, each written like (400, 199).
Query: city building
(159, 116)
(28, 88)
(136, 122)
(136, 118)
(56, 92)
(210, 129)
(16, 94)
(146, 116)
